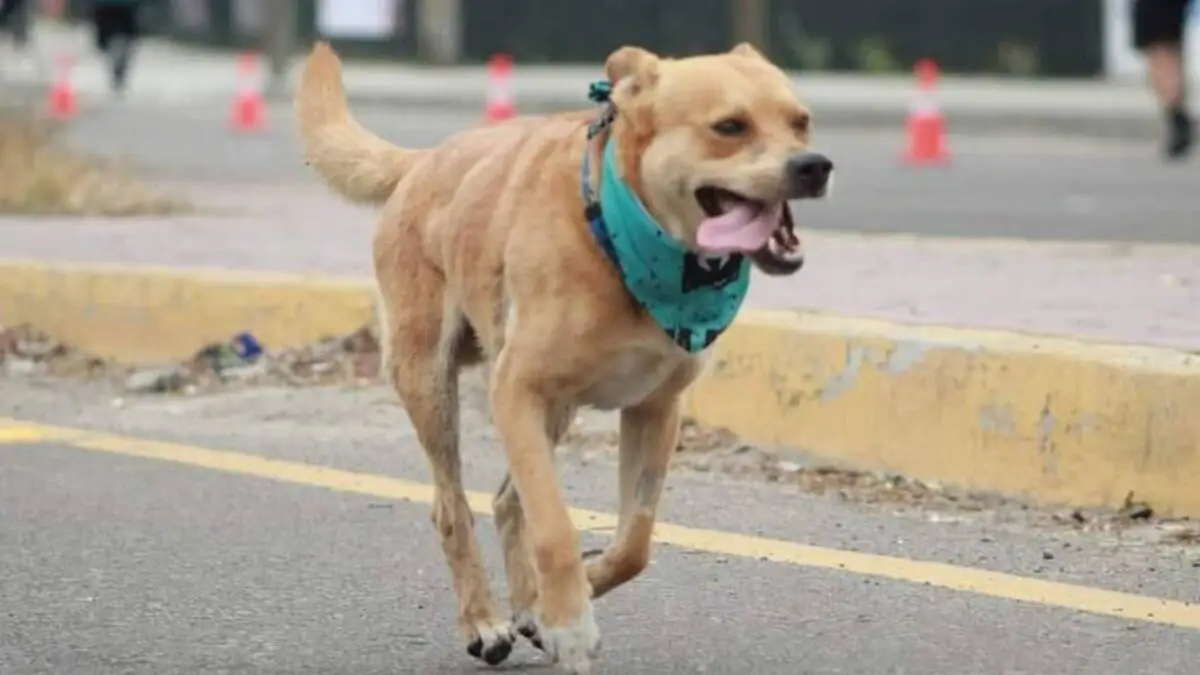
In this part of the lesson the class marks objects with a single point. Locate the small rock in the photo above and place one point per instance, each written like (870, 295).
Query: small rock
(219, 357)
(326, 350)
(789, 467)
(20, 367)
(366, 364)
(360, 341)
(1137, 511)
(943, 518)
(40, 348)
(8, 342)
(156, 380)
(1047, 555)
(246, 372)
(1179, 533)
(1196, 563)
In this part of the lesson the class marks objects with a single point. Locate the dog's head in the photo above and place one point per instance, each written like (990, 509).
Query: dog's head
(716, 146)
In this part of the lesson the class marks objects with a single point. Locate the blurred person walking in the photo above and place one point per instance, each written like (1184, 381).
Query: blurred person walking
(14, 20)
(117, 30)
(1158, 32)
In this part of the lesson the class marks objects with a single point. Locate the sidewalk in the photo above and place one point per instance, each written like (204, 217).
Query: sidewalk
(1138, 294)
(171, 74)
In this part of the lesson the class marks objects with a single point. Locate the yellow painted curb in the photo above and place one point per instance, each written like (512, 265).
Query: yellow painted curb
(146, 315)
(1056, 420)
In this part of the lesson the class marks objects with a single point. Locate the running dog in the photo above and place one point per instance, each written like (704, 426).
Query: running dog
(585, 259)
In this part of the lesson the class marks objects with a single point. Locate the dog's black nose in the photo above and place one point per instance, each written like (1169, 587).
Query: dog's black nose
(808, 173)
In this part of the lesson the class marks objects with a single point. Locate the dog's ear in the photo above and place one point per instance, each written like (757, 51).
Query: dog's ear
(633, 69)
(747, 49)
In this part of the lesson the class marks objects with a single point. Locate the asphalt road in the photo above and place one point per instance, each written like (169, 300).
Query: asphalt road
(119, 557)
(1026, 187)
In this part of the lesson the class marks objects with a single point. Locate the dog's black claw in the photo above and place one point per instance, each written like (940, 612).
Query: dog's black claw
(587, 555)
(475, 648)
(530, 633)
(494, 655)
(499, 651)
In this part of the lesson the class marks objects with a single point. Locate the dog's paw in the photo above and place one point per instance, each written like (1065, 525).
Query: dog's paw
(574, 646)
(526, 626)
(490, 641)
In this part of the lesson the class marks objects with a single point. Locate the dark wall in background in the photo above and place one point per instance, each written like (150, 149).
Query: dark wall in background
(1036, 37)
(1049, 38)
(586, 31)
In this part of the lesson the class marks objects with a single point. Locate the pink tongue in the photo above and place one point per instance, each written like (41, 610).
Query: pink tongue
(741, 229)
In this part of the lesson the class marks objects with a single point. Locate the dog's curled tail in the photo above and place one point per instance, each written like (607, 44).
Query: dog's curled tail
(356, 163)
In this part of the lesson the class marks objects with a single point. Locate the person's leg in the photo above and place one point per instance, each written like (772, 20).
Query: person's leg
(122, 48)
(101, 31)
(8, 12)
(107, 36)
(1158, 34)
(10, 18)
(130, 32)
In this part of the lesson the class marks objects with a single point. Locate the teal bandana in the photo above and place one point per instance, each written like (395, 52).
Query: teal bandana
(692, 297)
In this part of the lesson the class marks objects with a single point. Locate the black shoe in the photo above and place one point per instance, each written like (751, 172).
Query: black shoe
(1180, 133)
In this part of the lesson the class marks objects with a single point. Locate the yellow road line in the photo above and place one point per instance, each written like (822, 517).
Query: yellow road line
(971, 580)
(20, 433)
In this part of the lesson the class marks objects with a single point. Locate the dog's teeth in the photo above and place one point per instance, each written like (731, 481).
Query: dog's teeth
(784, 252)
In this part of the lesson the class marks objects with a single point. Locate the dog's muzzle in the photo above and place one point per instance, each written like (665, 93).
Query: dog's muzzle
(808, 175)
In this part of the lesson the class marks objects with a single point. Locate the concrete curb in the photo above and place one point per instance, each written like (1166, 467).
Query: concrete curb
(1056, 420)
(150, 315)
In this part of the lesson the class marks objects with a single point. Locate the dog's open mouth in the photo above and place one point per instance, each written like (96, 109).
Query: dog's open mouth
(763, 230)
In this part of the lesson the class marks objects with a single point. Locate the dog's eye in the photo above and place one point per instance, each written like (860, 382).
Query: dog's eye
(800, 124)
(733, 126)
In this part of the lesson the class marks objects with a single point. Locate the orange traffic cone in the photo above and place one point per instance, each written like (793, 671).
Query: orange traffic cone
(53, 9)
(249, 109)
(62, 102)
(926, 125)
(500, 104)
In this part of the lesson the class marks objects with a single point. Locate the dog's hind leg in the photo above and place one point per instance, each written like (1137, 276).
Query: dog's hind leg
(425, 358)
(649, 434)
(510, 524)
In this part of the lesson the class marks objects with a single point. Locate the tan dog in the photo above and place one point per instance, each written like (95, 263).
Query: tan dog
(483, 255)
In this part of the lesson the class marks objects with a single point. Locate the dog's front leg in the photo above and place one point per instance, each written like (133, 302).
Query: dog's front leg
(566, 624)
(649, 434)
